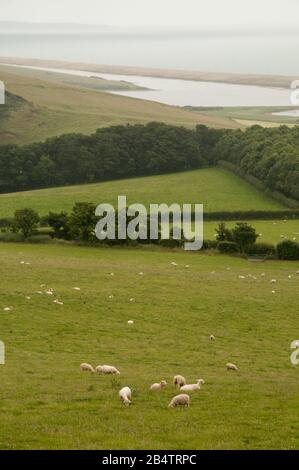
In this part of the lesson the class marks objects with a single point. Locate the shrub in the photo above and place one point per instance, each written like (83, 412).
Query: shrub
(11, 237)
(26, 221)
(39, 239)
(261, 249)
(288, 250)
(224, 234)
(244, 235)
(228, 247)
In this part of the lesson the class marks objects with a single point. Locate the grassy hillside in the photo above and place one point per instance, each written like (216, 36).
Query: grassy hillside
(53, 107)
(46, 402)
(217, 189)
(270, 231)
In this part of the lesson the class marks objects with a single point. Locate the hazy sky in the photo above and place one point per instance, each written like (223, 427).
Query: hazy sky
(274, 13)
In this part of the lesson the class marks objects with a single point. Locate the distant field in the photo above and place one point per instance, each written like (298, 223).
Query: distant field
(270, 231)
(217, 189)
(249, 116)
(53, 107)
(47, 403)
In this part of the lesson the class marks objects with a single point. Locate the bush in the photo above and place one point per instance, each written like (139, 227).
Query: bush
(228, 247)
(244, 235)
(11, 237)
(26, 221)
(39, 239)
(288, 250)
(261, 249)
(209, 244)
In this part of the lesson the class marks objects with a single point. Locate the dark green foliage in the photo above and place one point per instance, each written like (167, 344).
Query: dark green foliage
(223, 233)
(228, 247)
(244, 235)
(82, 221)
(25, 221)
(59, 222)
(261, 249)
(269, 156)
(288, 250)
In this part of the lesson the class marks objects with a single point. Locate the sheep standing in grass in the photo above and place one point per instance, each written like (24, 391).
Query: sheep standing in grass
(193, 387)
(231, 366)
(158, 386)
(179, 400)
(125, 395)
(87, 367)
(179, 381)
(212, 338)
(107, 370)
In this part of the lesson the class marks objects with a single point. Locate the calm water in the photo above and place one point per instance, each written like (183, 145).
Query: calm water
(264, 54)
(185, 92)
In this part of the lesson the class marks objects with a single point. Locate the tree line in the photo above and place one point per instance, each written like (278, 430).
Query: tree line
(79, 227)
(270, 155)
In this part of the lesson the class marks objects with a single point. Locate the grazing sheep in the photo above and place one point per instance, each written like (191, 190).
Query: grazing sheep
(273, 281)
(179, 400)
(76, 288)
(107, 370)
(87, 367)
(193, 387)
(173, 263)
(212, 338)
(158, 386)
(179, 381)
(7, 309)
(130, 322)
(231, 366)
(125, 395)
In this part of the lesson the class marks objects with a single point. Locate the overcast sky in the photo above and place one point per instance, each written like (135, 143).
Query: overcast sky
(225, 13)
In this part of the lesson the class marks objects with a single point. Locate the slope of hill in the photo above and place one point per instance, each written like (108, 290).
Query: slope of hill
(54, 107)
(217, 189)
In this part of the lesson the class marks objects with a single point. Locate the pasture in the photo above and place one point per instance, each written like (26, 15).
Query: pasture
(269, 231)
(47, 402)
(217, 189)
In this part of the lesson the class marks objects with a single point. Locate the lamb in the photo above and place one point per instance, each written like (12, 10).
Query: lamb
(231, 366)
(125, 395)
(179, 381)
(107, 370)
(193, 387)
(179, 400)
(158, 386)
(87, 367)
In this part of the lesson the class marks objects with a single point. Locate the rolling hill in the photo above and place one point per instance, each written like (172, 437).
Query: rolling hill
(217, 189)
(53, 106)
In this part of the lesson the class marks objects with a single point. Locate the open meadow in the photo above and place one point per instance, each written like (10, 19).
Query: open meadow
(217, 189)
(47, 402)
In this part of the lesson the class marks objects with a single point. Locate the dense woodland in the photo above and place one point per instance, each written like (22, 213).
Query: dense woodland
(271, 155)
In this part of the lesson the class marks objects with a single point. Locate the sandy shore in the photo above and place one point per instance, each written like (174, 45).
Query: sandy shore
(279, 81)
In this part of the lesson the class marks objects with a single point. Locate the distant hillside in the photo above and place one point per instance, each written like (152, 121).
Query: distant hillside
(57, 107)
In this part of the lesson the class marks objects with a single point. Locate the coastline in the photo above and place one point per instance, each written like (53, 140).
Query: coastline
(268, 81)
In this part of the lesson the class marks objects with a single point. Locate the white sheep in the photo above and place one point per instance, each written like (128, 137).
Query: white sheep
(158, 386)
(212, 338)
(179, 400)
(87, 367)
(107, 370)
(179, 381)
(125, 395)
(193, 387)
(231, 366)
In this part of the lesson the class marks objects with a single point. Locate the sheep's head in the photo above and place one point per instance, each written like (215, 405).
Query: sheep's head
(163, 383)
(200, 381)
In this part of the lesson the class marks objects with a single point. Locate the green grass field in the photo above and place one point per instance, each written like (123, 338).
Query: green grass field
(217, 189)
(270, 231)
(48, 403)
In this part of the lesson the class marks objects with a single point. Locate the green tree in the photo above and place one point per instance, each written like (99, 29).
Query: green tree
(244, 235)
(82, 221)
(25, 221)
(223, 234)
